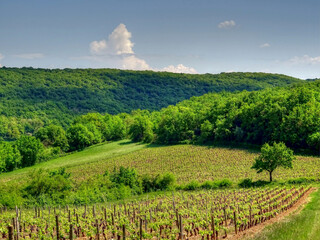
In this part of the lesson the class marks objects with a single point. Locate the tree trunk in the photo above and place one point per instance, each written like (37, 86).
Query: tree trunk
(270, 174)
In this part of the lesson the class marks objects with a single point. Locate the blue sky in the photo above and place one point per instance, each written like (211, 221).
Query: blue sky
(199, 36)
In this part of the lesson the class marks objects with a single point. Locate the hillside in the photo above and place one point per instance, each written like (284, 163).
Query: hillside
(186, 162)
(60, 95)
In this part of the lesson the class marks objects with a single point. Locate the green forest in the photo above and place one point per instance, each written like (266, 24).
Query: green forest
(58, 96)
(289, 114)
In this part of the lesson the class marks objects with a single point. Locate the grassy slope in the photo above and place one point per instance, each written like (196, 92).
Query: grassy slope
(187, 162)
(304, 226)
(81, 159)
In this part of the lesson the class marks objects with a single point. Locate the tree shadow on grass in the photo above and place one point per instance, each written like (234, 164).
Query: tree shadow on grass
(250, 148)
(127, 142)
(150, 145)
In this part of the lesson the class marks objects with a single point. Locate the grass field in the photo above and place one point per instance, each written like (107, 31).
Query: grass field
(187, 162)
(100, 152)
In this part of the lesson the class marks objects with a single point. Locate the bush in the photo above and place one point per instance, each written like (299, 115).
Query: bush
(148, 183)
(127, 177)
(164, 182)
(209, 185)
(193, 185)
(10, 196)
(52, 185)
(247, 183)
(224, 183)
(160, 182)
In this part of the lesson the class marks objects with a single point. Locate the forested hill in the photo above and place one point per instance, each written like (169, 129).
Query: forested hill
(60, 95)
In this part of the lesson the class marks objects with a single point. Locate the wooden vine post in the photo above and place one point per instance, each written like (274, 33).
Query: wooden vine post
(98, 233)
(250, 220)
(140, 228)
(124, 232)
(181, 227)
(69, 216)
(235, 222)
(10, 232)
(212, 227)
(57, 227)
(71, 232)
(17, 222)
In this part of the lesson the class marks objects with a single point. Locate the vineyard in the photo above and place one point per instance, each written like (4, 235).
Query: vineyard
(182, 215)
(200, 163)
(186, 162)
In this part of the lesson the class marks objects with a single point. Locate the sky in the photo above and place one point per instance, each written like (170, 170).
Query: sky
(190, 36)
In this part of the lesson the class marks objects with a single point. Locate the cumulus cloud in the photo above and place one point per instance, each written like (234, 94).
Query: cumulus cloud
(265, 45)
(227, 24)
(97, 47)
(119, 47)
(134, 63)
(306, 59)
(180, 68)
(118, 43)
(29, 55)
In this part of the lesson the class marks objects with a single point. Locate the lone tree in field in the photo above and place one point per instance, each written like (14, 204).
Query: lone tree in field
(271, 157)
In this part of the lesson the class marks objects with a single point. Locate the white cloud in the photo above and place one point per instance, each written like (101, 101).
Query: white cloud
(180, 68)
(119, 48)
(306, 59)
(227, 24)
(265, 45)
(118, 43)
(98, 46)
(134, 63)
(29, 55)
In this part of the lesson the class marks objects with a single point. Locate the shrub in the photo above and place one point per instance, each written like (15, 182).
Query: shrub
(127, 177)
(55, 184)
(10, 196)
(224, 183)
(207, 185)
(247, 183)
(148, 183)
(193, 185)
(164, 182)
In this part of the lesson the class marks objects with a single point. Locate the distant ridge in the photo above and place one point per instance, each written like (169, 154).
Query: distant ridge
(62, 94)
